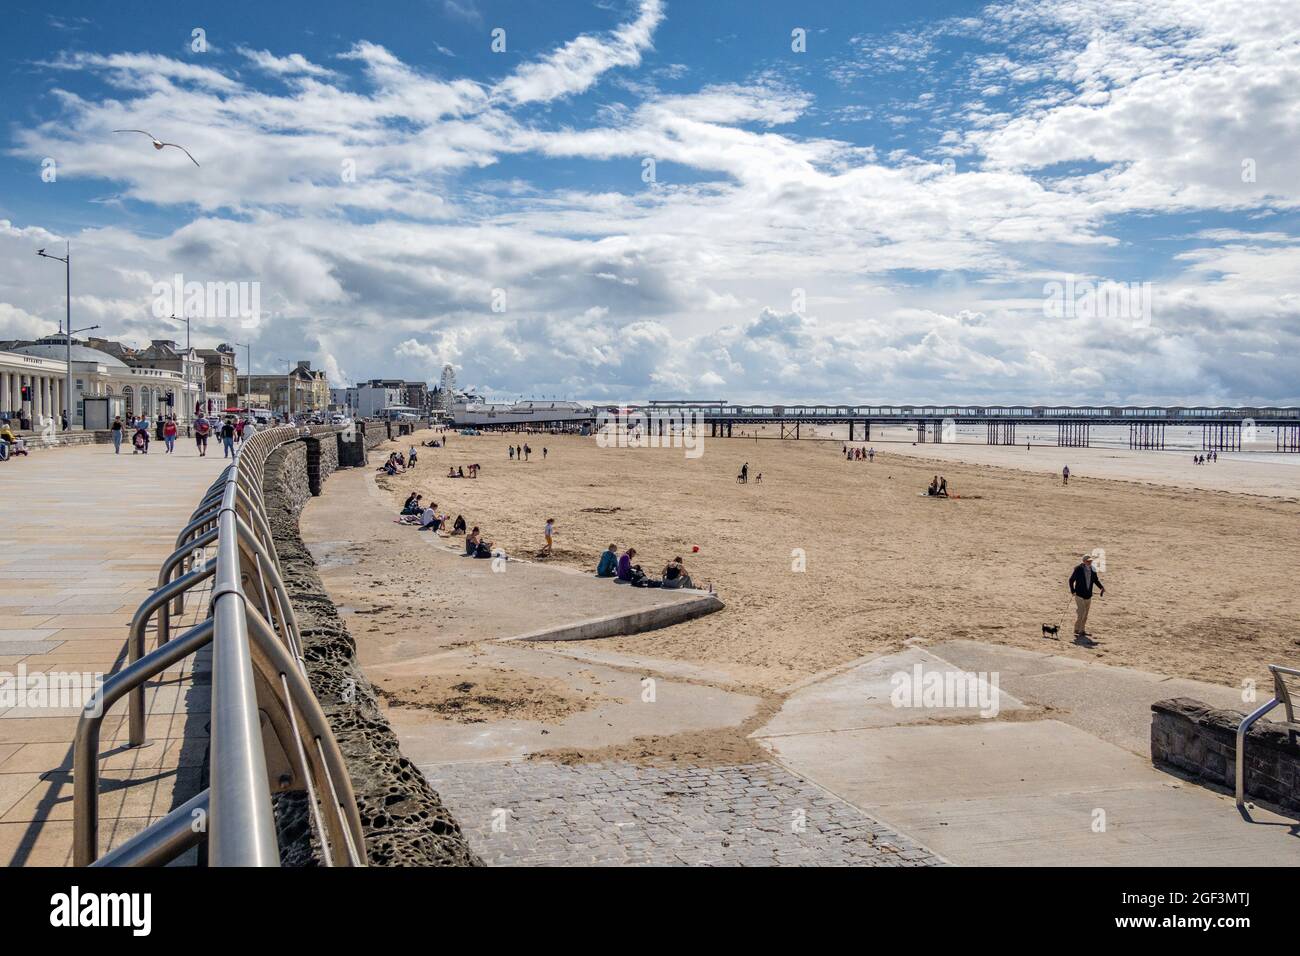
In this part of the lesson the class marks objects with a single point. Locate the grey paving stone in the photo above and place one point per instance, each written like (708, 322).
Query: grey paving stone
(624, 814)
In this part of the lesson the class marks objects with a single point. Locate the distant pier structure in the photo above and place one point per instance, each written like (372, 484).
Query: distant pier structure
(1222, 428)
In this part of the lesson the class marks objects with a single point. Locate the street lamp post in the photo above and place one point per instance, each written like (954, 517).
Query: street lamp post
(288, 389)
(185, 364)
(248, 376)
(67, 372)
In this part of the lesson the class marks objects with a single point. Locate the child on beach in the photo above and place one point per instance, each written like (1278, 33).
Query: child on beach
(548, 532)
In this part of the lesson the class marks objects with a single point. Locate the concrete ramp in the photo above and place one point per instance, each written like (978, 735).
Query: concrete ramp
(1045, 782)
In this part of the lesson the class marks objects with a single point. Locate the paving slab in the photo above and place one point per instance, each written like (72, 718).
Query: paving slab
(1018, 788)
(68, 589)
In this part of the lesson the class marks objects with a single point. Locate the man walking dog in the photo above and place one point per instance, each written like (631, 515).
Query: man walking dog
(1082, 581)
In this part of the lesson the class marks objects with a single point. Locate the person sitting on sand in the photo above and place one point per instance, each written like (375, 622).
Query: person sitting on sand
(413, 505)
(608, 566)
(429, 520)
(625, 565)
(460, 472)
(451, 472)
(483, 550)
(471, 541)
(675, 575)
(458, 527)
(934, 487)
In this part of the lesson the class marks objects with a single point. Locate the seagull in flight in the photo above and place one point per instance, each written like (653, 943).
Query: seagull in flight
(159, 144)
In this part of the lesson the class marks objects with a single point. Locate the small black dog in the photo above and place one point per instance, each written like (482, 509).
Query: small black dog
(1052, 631)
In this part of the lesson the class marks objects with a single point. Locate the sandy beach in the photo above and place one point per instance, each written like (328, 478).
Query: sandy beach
(826, 561)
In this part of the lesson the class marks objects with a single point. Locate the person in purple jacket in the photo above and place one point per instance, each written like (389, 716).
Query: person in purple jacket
(625, 565)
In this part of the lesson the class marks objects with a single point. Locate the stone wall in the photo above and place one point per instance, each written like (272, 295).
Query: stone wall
(405, 822)
(322, 459)
(1202, 742)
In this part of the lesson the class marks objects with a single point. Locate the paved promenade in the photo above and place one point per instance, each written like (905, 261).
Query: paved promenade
(533, 813)
(83, 536)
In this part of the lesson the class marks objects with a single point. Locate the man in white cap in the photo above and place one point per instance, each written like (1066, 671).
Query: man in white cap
(1082, 581)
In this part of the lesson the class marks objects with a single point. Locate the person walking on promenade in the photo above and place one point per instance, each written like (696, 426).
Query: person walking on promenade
(116, 431)
(227, 439)
(1082, 581)
(141, 439)
(169, 433)
(201, 429)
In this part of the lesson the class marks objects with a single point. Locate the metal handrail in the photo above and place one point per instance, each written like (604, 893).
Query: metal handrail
(260, 693)
(1281, 695)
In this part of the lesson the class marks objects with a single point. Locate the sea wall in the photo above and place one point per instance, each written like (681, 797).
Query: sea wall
(1201, 741)
(405, 822)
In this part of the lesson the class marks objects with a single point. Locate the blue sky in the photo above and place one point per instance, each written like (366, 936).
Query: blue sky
(877, 217)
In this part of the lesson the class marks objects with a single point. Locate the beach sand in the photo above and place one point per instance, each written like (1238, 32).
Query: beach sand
(827, 561)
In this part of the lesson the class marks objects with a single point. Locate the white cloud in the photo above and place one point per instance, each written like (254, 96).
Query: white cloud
(686, 285)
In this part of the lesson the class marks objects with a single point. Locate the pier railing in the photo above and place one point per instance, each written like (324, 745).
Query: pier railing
(268, 732)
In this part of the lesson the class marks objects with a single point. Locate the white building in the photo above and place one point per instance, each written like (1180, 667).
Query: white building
(95, 374)
(45, 377)
(369, 399)
(521, 413)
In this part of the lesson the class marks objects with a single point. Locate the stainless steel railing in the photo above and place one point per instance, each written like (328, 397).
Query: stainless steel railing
(1281, 695)
(268, 732)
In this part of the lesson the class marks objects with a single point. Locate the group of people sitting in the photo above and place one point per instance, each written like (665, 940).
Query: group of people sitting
(460, 471)
(429, 518)
(622, 568)
(397, 463)
(938, 487)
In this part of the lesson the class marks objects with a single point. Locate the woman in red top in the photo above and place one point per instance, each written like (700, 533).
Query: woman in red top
(169, 433)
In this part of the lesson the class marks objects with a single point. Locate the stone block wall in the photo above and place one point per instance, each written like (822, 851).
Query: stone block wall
(322, 459)
(405, 822)
(1202, 742)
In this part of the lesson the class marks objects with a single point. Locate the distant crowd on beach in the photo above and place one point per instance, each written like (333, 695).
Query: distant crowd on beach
(859, 454)
(1205, 459)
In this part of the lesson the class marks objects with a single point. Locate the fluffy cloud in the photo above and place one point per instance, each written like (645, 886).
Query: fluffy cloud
(761, 261)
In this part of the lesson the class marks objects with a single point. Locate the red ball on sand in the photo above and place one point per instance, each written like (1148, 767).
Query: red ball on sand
(695, 549)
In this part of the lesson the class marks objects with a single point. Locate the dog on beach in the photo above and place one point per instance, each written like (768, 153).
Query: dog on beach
(1052, 631)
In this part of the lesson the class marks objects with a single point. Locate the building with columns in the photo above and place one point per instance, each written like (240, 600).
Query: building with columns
(95, 374)
(46, 378)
